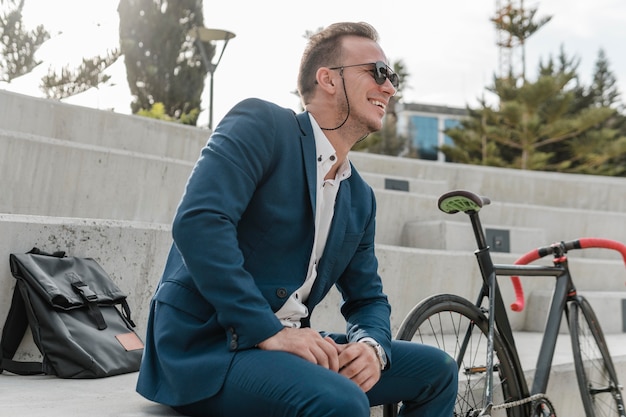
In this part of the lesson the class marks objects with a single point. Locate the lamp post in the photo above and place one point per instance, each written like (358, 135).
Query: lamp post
(203, 36)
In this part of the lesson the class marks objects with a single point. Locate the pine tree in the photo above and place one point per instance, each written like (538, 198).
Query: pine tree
(162, 63)
(528, 123)
(18, 46)
(604, 89)
(602, 149)
(553, 123)
(73, 81)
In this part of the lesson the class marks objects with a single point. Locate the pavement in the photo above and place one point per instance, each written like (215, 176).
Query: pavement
(45, 396)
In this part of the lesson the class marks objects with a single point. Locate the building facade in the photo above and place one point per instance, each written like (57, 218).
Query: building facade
(424, 126)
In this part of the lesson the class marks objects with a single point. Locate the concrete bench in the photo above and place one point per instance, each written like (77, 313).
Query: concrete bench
(36, 396)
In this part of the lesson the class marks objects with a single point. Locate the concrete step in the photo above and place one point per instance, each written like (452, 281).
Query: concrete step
(609, 307)
(36, 396)
(106, 185)
(458, 236)
(52, 177)
(399, 212)
(134, 253)
(82, 125)
(549, 189)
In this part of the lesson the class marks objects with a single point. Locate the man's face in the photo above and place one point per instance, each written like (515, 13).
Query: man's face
(367, 99)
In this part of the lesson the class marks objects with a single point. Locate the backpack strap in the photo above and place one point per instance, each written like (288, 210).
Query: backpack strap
(12, 334)
(91, 300)
(14, 329)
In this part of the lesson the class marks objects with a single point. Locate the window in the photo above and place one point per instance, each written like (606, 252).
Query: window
(425, 136)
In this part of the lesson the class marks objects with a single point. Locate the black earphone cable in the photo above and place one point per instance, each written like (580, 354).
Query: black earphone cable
(347, 103)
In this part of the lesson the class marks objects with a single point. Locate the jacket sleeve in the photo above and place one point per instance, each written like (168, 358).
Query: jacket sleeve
(222, 182)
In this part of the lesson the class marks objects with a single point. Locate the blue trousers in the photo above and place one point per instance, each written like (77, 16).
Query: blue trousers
(278, 384)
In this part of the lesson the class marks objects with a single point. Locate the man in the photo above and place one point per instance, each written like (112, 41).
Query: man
(272, 217)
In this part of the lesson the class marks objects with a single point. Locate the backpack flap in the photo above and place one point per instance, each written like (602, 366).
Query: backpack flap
(55, 278)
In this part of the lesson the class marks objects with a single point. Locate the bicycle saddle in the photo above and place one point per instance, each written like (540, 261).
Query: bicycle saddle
(461, 200)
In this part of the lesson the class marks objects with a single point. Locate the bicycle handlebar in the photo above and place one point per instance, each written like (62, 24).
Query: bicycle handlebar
(560, 248)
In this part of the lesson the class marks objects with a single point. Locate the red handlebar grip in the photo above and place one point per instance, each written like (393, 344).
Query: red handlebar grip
(596, 242)
(519, 303)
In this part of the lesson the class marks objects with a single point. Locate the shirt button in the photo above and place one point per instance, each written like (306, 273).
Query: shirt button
(281, 292)
(233, 344)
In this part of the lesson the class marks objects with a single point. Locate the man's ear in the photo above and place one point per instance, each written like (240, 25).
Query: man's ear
(325, 78)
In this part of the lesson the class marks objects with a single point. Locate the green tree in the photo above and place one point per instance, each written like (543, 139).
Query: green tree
(553, 123)
(17, 45)
(602, 149)
(604, 90)
(528, 121)
(163, 65)
(17, 57)
(73, 81)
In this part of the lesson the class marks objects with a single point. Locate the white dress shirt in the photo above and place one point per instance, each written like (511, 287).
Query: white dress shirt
(294, 309)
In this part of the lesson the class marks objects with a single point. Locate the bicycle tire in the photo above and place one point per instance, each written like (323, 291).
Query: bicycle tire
(445, 317)
(595, 372)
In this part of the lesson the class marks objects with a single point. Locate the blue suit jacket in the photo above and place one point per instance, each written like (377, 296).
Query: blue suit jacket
(243, 234)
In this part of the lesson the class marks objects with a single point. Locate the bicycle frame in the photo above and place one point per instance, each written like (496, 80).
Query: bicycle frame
(498, 318)
(495, 324)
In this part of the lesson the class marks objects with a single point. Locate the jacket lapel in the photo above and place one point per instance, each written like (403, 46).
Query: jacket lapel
(308, 155)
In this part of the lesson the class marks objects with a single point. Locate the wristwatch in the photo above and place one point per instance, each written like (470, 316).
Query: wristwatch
(380, 352)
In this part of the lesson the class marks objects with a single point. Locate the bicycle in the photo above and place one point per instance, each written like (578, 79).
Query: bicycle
(479, 334)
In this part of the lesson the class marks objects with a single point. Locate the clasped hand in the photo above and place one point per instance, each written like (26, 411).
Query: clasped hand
(356, 361)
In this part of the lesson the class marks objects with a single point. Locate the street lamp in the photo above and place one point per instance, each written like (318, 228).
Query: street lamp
(203, 36)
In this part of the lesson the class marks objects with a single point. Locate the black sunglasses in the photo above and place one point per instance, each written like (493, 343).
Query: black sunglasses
(381, 72)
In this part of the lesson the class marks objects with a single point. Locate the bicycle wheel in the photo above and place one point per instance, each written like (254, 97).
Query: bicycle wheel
(444, 321)
(597, 379)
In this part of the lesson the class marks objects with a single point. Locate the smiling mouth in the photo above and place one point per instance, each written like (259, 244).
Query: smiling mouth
(379, 104)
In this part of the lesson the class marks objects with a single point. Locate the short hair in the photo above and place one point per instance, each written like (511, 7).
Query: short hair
(324, 48)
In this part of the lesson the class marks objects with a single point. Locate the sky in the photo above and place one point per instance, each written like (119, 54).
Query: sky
(447, 46)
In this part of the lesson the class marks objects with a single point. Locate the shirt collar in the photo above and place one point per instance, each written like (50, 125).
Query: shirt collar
(326, 154)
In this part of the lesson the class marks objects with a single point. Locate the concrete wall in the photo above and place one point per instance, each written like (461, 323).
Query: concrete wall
(105, 185)
(52, 119)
